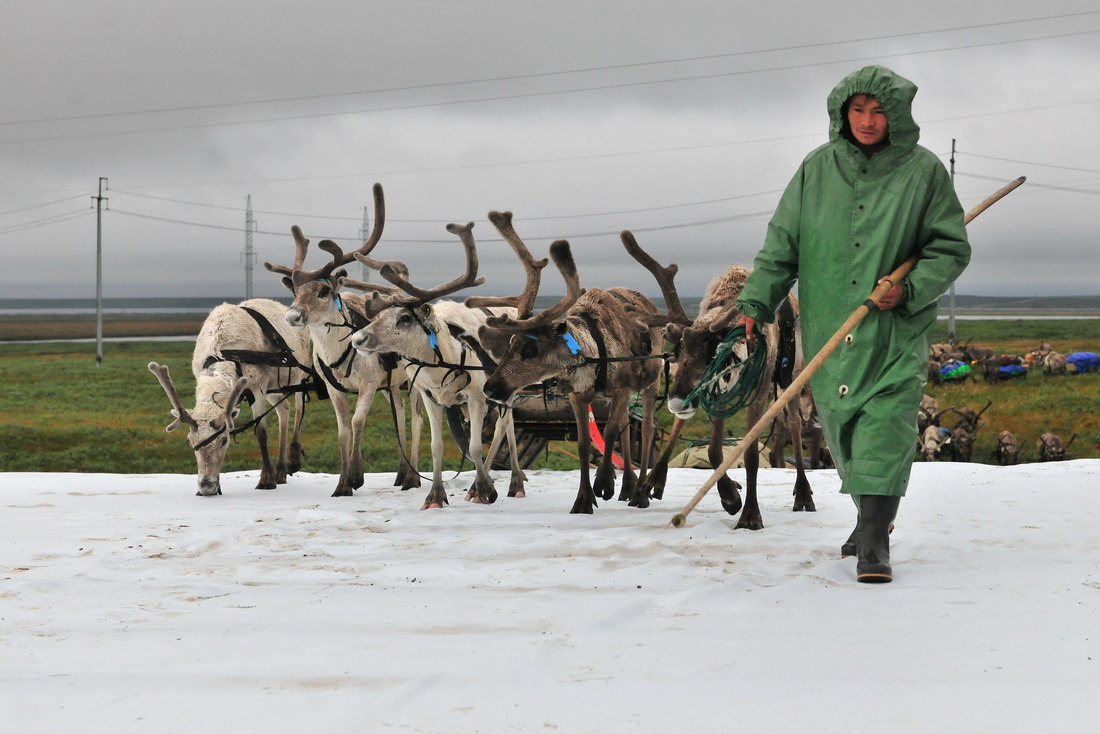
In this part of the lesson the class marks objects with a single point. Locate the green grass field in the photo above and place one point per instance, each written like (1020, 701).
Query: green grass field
(59, 412)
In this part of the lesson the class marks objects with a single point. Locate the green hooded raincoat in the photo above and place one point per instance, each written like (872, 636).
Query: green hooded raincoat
(844, 221)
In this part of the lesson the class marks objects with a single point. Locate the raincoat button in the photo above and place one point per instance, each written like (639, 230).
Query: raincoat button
(848, 340)
(857, 244)
(843, 390)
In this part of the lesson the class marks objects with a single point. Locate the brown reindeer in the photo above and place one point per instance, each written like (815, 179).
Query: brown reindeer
(436, 341)
(1007, 451)
(695, 345)
(591, 343)
(331, 318)
(1051, 448)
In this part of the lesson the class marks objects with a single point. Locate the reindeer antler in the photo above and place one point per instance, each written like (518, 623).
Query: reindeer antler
(664, 276)
(339, 257)
(301, 244)
(182, 416)
(524, 302)
(563, 259)
(398, 274)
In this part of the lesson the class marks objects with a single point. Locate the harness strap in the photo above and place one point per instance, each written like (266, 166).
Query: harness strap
(601, 350)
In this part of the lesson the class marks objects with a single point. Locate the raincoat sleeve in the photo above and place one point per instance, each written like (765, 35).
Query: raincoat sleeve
(775, 268)
(946, 249)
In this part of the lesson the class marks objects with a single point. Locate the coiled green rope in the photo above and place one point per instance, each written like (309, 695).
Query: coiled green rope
(724, 402)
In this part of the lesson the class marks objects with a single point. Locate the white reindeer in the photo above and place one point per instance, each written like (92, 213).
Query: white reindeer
(331, 317)
(437, 344)
(242, 348)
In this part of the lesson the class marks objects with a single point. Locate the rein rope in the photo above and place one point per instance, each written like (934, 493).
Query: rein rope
(716, 394)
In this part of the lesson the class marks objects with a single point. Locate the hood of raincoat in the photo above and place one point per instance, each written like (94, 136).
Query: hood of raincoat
(893, 91)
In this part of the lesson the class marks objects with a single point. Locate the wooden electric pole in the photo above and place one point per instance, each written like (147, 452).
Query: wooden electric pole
(99, 199)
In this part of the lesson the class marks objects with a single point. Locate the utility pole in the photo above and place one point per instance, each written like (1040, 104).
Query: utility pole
(99, 199)
(364, 232)
(951, 297)
(249, 255)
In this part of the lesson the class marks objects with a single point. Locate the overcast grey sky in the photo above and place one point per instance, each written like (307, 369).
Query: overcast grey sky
(682, 122)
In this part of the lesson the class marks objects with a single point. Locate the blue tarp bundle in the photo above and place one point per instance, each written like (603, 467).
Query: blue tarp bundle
(1012, 370)
(954, 370)
(1084, 361)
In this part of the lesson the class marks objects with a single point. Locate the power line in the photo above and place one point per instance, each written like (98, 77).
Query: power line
(39, 206)
(12, 229)
(530, 95)
(561, 72)
(1032, 163)
(291, 215)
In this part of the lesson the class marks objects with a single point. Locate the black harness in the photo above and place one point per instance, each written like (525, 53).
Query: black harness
(281, 356)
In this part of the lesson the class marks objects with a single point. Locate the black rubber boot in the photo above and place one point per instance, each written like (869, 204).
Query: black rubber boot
(849, 547)
(876, 514)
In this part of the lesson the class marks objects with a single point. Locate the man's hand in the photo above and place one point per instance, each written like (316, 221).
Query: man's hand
(750, 327)
(892, 298)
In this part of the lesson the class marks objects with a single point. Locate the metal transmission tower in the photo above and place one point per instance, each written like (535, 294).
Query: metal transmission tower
(249, 256)
(364, 232)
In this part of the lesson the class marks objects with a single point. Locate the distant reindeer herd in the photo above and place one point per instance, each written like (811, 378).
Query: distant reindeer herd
(463, 363)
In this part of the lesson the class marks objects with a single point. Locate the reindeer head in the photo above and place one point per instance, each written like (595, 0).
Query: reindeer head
(317, 292)
(694, 345)
(209, 423)
(408, 326)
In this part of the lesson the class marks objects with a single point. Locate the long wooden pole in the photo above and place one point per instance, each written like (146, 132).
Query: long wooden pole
(680, 519)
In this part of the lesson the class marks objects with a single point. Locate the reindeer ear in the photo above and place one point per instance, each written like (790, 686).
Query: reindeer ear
(424, 310)
(288, 283)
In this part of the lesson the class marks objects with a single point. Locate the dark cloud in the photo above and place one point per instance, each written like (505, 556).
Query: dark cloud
(584, 118)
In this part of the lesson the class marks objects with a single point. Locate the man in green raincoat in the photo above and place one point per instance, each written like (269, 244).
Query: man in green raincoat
(857, 208)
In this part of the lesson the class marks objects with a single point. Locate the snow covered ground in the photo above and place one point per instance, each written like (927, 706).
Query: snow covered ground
(127, 604)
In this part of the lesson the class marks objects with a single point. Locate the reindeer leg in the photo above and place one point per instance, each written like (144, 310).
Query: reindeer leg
(750, 514)
(586, 498)
(482, 490)
(727, 488)
(267, 474)
(343, 433)
(803, 495)
(604, 486)
(655, 480)
(437, 495)
(296, 453)
(416, 428)
(282, 410)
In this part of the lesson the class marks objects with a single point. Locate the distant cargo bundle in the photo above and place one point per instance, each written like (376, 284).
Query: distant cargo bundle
(954, 370)
(1084, 361)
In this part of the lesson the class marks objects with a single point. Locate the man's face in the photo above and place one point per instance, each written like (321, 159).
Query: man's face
(867, 121)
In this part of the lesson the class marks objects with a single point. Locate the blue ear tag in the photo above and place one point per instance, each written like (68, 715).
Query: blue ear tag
(571, 343)
(338, 302)
(432, 340)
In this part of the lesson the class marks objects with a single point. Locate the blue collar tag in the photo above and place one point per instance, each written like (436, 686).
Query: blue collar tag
(433, 341)
(571, 343)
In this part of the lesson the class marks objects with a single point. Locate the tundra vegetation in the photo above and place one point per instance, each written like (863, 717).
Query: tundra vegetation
(115, 422)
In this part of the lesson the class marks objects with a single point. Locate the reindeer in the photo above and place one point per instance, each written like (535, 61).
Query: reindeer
(928, 414)
(1051, 448)
(968, 419)
(695, 345)
(244, 349)
(331, 317)
(962, 445)
(932, 442)
(1054, 363)
(437, 345)
(592, 343)
(1007, 451)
